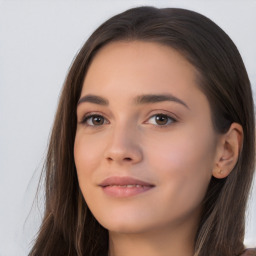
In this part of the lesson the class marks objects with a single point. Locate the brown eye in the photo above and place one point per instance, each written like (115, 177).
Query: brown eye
(94, 120)
(97, 120)
(161, 120)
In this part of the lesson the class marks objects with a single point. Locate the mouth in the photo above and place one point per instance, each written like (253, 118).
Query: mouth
(124, 186)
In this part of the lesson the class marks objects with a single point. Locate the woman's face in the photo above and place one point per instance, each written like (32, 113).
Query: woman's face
(142, 116)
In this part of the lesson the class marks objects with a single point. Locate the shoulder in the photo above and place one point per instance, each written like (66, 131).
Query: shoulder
(249, 252)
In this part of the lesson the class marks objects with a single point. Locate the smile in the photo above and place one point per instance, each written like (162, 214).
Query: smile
(127, 186)
(124, 186)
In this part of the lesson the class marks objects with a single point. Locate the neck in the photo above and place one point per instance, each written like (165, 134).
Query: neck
(178, 242)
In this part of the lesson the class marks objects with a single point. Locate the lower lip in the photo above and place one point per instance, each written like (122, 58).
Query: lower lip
(119, 191)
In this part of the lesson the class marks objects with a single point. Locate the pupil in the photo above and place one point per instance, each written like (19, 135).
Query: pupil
(97, 120)
(161, 119)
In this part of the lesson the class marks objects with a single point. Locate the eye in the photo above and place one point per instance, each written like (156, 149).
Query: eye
(94, 120)
(161, 120)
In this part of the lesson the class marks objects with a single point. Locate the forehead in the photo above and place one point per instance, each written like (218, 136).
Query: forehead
(127, 69)
(139, 58)
(140, 54)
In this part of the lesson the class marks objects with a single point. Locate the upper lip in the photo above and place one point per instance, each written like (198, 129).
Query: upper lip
(115, 180)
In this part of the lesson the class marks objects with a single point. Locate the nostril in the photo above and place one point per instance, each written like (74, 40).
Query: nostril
(127, 159)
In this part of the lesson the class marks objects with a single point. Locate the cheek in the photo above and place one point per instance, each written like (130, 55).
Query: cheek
(184, 164)
(188, 149)
(87, 155)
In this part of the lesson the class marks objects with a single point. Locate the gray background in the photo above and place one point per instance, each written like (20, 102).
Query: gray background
(38, 40)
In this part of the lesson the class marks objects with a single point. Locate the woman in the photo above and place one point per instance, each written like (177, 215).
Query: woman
(152, 149)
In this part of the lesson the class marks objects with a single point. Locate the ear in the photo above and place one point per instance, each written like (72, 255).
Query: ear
(229, 148)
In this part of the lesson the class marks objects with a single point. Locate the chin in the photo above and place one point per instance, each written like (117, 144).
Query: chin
(121, 226)
(127, 225)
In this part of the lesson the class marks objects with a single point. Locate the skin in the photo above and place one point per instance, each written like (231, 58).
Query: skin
(179, 157)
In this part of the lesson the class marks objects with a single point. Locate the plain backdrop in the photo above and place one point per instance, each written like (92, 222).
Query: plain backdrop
(38, 40)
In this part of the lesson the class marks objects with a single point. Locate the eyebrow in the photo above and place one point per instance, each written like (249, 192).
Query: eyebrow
(154, 98)
(141, 99)
(93, 99)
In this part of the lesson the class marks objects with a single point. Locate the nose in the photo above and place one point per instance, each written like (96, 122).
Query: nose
(123, 146)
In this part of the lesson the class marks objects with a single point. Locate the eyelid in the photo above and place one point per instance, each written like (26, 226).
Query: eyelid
(89, 115)
(169, 116)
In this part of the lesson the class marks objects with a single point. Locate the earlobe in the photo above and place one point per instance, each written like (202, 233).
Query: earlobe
(218, 173)
(228, 151)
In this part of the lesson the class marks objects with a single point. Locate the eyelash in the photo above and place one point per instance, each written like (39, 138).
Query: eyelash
(91, 115)
(87, 117)
(170, 121)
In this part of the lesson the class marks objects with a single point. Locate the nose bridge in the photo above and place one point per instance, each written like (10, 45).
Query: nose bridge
(123, 145)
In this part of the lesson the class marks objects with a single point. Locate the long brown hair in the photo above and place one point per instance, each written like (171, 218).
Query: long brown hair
(68, 227)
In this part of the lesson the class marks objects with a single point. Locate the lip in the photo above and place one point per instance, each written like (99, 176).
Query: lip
(124, 186)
